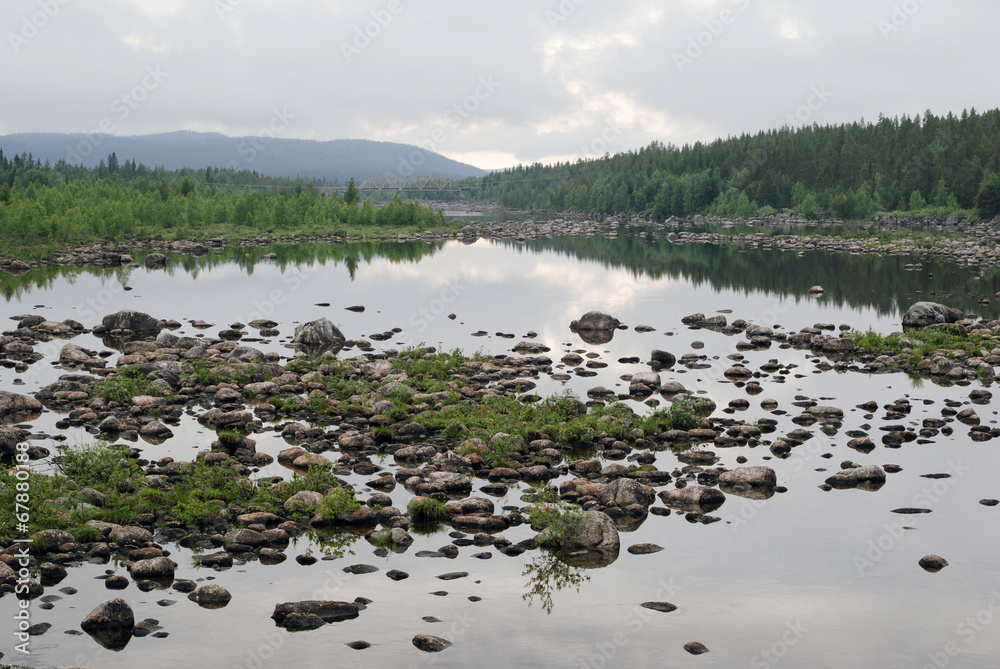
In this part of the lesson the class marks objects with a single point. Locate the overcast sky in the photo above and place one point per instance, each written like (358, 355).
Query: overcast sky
(490, 82)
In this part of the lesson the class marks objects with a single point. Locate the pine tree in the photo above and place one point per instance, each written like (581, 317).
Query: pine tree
(351, 196)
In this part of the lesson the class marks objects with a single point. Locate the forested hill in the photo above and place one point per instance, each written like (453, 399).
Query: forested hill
(933, 164)
(325, 162)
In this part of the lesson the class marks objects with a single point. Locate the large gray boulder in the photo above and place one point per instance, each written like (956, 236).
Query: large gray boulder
(318, 333)
(625, 492)
(593, 531)
(595, 320)
(110, 624)
(694, 498)
(136, 321)
(751, 476)
(923, 314)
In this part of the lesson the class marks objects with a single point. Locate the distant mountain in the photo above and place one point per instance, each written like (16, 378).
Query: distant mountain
(336, 160)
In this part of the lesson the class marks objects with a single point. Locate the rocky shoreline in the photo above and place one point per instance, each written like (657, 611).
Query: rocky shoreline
(956, 240)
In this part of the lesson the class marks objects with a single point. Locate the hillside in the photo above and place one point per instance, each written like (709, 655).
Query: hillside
(929, 164)
(326, 162)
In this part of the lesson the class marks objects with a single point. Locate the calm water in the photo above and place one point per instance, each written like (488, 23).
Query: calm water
(805, 579)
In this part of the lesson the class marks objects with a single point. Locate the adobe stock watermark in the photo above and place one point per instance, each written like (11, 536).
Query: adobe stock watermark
(772, 655)
(33, 24)
(223, 8)
(562, 12)
(365, 34)
(455, 117)
(249, 148)
(715, 28)
(901, 15)
(121, 108)
(817, 98)
(633, 623)
(967, 630)
(599, 145)
(878, 548)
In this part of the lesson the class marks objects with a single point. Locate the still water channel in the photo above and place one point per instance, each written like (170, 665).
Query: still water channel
(806, 578)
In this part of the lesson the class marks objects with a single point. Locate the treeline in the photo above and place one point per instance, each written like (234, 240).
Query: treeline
(41, 204)
(933, 164)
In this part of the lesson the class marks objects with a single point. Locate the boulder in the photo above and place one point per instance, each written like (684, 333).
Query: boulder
(869, 477)
(318, 333)
(136, 321)
(210, 596)
(923, 314)
(695, 498)
(155, 260)
(12, 403)
(328, 611)
(763, 477)
(595, 531)
(110, 624)
(595, 320)
(624, 492)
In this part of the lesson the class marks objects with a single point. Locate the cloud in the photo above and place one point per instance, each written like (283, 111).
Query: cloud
(577, 75)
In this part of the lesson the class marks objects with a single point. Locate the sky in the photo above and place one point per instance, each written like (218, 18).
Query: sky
(489, 82)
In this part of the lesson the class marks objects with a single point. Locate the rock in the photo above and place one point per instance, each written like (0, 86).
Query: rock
(816, 290)
(933, 563)
(136, 321)
(50, 540)
(12, 403)
(305, 501)
(595, 531)
(155, 260)
(869, 477)
(328, 611)
(623, 492)
(644, 383)
(663, 358)
(430, 644)
(923, 314)
(318, 333)
(129, 535)
(644, 549)
(696, 498)
(662, 607)
(155, 569)
(695, 647)
(210, 596)
(752, 476)
(110, 623)
(302, 622)
(595, 320)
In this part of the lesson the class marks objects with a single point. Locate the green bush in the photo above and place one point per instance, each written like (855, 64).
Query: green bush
(100, 464)
(338, 502)
(426, 510)
(124, 386)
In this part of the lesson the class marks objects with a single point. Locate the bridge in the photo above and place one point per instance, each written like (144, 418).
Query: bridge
(402, 184)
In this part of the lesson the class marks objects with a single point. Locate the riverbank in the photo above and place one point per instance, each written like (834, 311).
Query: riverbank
(958, 240)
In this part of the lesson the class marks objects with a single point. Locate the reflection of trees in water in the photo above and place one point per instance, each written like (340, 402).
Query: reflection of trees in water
(857, 281)
(547, 575)
(45, 278)
(352, 256)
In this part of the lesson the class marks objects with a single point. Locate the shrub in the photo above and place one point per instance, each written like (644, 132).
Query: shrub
(426, 510)
(124, 387)
(339, 502)
(100, 464)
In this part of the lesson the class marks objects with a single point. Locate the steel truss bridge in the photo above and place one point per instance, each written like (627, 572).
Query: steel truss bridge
(403, 184)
